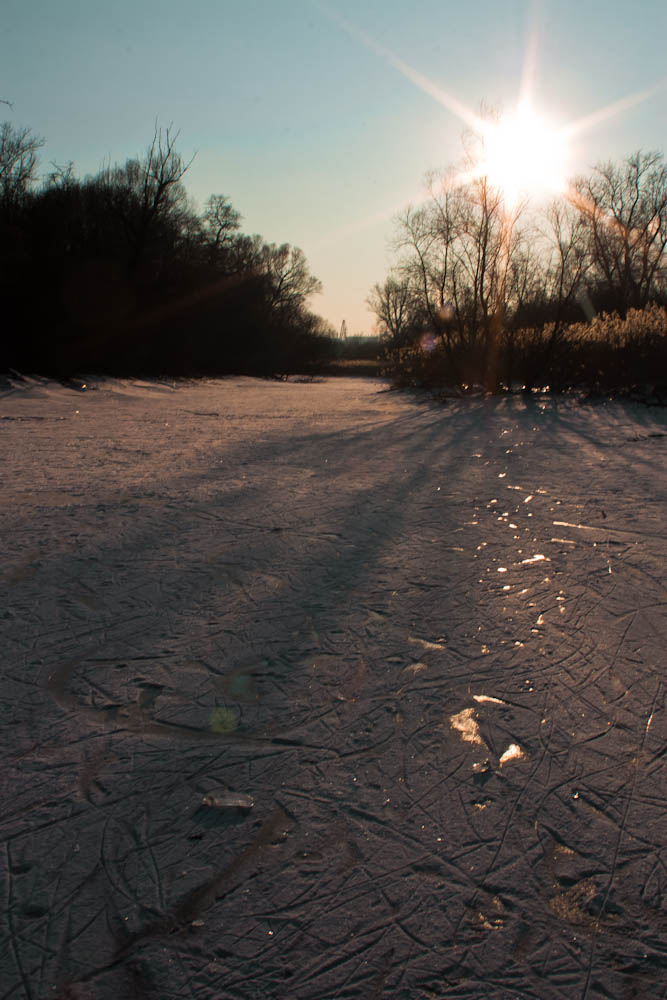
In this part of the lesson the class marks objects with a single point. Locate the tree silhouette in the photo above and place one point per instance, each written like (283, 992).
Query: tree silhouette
(623, 208)
(395, 306)
(18, 164)
(131, 278)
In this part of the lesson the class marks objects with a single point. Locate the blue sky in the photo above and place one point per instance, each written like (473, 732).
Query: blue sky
(305, 123)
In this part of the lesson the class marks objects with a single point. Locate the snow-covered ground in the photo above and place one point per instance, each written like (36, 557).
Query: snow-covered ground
(427, 641)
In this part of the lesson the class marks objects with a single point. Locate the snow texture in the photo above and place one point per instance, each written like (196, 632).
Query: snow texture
(421, 648)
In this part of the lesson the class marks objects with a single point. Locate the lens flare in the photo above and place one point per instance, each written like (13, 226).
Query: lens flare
(428, 343)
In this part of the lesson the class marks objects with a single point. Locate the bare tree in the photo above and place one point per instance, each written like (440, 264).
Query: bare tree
(548, 279)
(18, 163)
(147, 194)
(290, 280)
(394, 304)
(569, 259)
(482, 250)
(221, 223)
(460, 250)
(61, 175)
(623, 209)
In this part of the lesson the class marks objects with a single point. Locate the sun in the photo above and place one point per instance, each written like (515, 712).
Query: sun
(524, 155)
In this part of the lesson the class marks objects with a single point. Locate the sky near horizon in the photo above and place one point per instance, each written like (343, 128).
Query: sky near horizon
(319, 120)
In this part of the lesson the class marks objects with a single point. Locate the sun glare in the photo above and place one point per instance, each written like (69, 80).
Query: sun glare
(524, 155)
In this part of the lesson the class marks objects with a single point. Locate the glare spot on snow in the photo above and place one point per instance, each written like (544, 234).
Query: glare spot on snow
(513, 752)
(466, 724)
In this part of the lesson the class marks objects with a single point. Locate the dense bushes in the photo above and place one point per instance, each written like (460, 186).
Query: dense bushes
(613, 354)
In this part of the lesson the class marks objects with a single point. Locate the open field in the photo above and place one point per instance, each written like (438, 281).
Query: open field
(427, 641)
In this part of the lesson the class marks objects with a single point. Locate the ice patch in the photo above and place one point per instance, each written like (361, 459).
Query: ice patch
(228, 800)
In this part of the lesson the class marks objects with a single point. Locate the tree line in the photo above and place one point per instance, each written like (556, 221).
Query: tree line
(487, 294)
(119, 273)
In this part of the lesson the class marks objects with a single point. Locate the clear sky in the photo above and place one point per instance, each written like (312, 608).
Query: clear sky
(308, 115)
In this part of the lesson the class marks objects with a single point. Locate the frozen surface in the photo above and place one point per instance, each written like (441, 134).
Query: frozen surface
(320, 690)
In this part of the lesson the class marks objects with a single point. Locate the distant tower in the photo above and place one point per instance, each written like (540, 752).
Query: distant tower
(343, 331)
